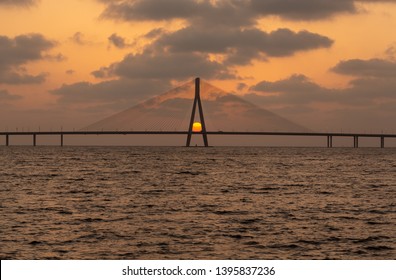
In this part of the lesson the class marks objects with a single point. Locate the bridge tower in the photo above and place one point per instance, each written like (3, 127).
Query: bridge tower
(197, 101)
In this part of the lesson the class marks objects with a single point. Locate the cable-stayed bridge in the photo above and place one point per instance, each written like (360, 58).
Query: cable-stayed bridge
(198, 109)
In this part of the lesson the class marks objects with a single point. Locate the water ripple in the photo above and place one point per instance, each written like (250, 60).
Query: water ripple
(179, 203)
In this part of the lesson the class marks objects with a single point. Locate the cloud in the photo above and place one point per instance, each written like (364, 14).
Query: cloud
(18, 51)
(117, 41)
(6, 96)
(228, 12)
(365, 102)
(224, 28)
(296, 83)
(235, 12)
(208, 13)
(79, 39)
(155, 33)
(377, 1)
(390, 52)
(212, 27)
(370, 68)
(241, 86)
(218, 27)
(302, 9)
(15, 78)
(141, 75)
(115, 93)
(242, 45)
(296, 89)
(57, 58)
(370, 90)
(164, 66)
(101, 73)
(150, 9)
(185, 53)
(23, 48)
(18, 3)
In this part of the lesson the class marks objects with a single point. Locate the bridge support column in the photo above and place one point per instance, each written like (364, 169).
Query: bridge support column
(355, 141)
(61, 140)
(34, 140)
(329, 141)
(197, 101)
(7, 140)
(382, 142)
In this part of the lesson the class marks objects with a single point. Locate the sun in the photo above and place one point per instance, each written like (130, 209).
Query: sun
(197, 127)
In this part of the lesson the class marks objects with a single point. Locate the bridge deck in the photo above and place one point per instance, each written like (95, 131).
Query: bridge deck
(329, 135)
(269, 133)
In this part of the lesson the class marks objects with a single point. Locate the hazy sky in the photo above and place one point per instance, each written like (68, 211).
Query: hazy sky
(326, 64)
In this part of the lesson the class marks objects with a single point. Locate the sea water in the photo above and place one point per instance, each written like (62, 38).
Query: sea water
(197, 203)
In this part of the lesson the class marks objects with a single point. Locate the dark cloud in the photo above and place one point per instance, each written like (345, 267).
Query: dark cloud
(23, 48)
(221, 12)
(302, 9)
(377, 1)
(299, 89)
(79, 39)
(149, 9)
(241, 86)
(165, 66)
(216, 27)
(141, 76)
(184, 53)
(101, 73)
(57, 58)
(283, 42)
(371, 68)
(18, 51)
(213, 27)
(366, 102)
(372, 88)
(207, 14)
(117, 41)
(6, 96)
(115, 93)
(225, 13)
(18, 3)
(228, 12)
(15, 78)
(295, 84)
(247, 43)
(155, 33)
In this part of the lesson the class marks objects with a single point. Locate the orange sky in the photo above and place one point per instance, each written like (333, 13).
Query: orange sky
(288, 72)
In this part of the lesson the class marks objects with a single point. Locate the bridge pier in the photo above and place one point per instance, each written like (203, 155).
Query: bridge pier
(34, 140)
(7, 140)
(382, 142)
(197, 101)
(329, 141)
(355, 141)
(61, 140)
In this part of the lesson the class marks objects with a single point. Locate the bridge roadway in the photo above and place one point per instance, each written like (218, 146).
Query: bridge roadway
(329, 135)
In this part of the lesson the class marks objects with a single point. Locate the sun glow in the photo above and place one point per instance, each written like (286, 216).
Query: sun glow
(197, 127)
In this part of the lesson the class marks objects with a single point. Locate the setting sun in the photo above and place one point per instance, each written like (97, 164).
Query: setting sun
(197, 127)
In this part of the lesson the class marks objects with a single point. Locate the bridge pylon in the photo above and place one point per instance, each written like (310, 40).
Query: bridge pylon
(197, 102)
